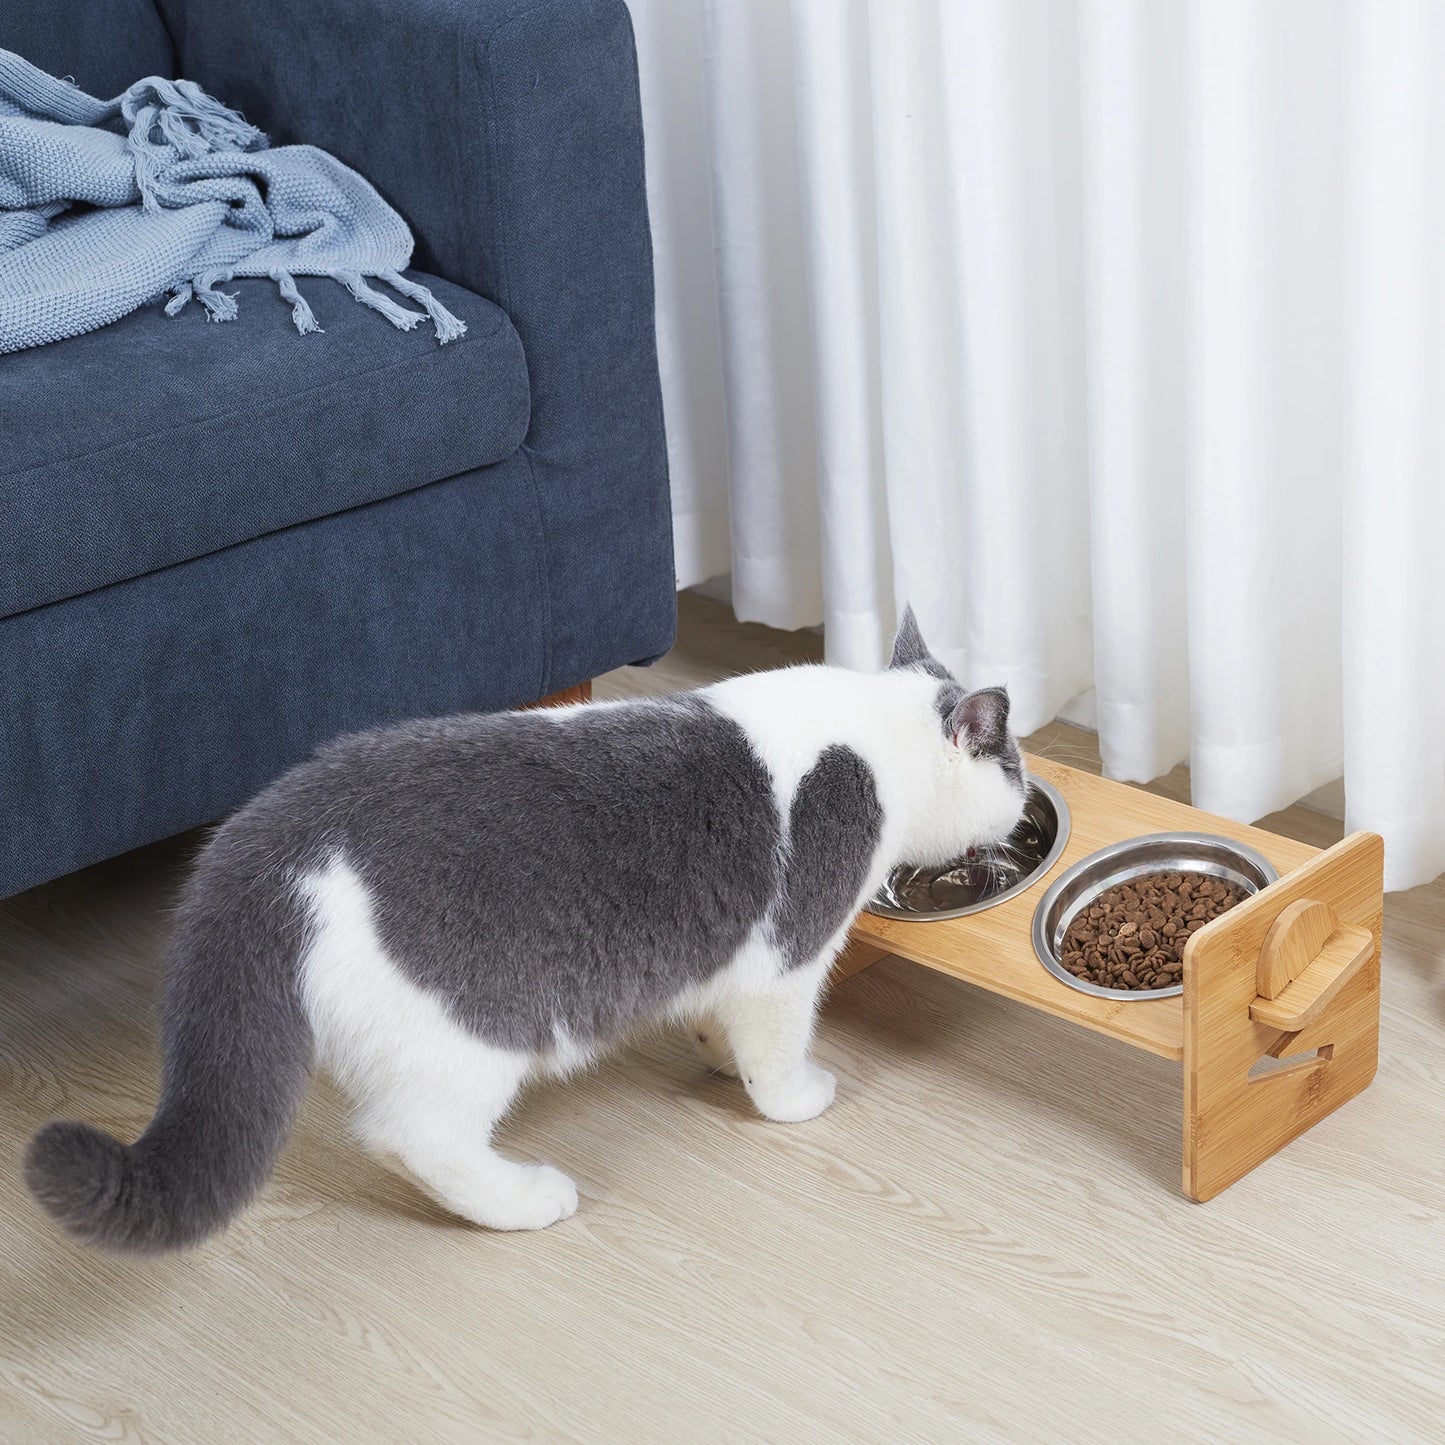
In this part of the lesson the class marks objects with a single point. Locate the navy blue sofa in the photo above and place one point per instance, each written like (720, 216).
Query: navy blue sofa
(220, 545)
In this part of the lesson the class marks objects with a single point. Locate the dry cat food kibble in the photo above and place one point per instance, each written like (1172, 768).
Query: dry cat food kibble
(1132, 936)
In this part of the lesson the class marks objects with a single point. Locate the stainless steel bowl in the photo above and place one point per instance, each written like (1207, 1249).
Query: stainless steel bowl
(987, 875)
(1076, 888)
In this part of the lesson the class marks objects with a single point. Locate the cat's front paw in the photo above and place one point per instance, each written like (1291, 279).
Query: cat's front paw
(802, 1095)
(533, 1197)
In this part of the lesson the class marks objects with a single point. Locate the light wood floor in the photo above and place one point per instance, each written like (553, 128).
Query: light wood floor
(983, 1239)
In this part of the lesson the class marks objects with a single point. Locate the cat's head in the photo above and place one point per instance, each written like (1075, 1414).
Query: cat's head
(977, 778)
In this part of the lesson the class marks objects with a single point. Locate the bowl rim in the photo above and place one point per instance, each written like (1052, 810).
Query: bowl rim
(1122, 874)
(1056, 849)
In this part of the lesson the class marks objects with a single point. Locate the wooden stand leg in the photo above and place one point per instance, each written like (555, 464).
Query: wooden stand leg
(581, 693)
(855, 957)
(1233, 1120)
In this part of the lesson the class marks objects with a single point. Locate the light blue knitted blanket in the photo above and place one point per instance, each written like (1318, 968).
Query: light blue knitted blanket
(105, 205)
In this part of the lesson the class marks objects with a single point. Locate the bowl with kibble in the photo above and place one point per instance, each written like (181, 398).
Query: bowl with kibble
(1116, 924)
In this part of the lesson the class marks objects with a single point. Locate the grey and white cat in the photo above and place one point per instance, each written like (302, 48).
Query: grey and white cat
(438, 912)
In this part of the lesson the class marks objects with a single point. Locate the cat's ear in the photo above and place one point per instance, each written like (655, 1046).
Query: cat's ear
(909, 648)
(979, 722)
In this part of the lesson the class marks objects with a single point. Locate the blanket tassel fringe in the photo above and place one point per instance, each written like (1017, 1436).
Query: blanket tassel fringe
(301, 312)
(447, 326)
(221, 305)
(399, 316)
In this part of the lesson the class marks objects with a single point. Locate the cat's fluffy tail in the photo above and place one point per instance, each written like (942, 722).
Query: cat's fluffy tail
(238, 1050)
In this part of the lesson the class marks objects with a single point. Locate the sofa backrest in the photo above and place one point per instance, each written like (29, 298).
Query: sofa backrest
(102, 45)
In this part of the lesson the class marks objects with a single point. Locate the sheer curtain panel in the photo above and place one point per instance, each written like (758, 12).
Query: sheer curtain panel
(1106, 332)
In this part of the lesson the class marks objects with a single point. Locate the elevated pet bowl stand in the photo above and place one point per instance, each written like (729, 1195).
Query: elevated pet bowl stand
(1280, 1017)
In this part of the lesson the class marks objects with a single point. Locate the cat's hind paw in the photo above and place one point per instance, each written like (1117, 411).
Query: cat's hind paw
(803, 1095)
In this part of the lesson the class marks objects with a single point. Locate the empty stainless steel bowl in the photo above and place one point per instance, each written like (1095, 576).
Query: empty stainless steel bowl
(986, 876)
(1076, 888)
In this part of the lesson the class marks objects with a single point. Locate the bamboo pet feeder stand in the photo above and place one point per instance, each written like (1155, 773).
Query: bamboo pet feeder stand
(1279, 1021)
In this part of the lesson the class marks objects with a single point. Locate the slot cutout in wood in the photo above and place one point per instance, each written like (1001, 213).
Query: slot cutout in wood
(1271, 1066)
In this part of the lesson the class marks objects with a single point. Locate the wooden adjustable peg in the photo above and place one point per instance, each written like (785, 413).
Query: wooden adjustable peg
(1307, 957)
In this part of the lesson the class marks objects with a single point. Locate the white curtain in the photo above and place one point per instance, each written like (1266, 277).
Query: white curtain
(1109, 333)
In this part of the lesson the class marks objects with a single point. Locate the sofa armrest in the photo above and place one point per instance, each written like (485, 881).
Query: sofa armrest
(509, 134)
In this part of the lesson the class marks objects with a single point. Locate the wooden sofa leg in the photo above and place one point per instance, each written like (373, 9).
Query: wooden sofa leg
(581, 693)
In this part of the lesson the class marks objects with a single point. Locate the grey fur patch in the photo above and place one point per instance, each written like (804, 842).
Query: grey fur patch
(910, 650)
(536, 874)
(834, 826)
(950, 695)
(237, 1056)
(1012, 764)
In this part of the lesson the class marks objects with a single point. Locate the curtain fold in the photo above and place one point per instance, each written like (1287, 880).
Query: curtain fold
(1106, 332)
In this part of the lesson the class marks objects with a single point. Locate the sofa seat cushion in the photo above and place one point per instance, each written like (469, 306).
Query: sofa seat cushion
(157, 440)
